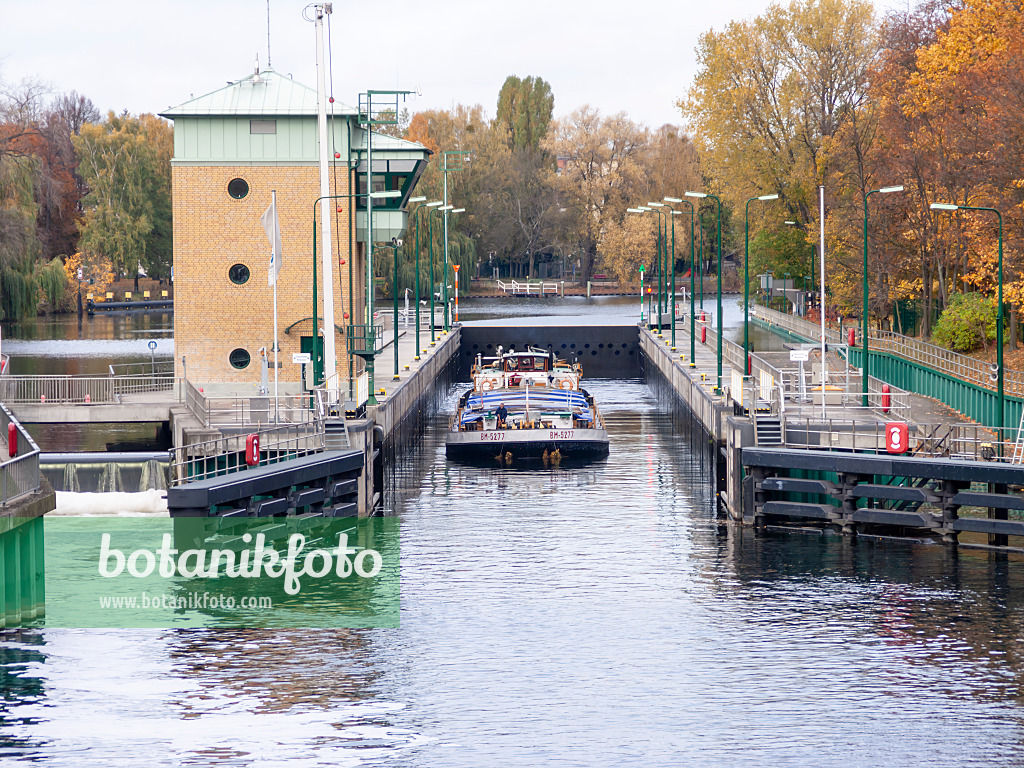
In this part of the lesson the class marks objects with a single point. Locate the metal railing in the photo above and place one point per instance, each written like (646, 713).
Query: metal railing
(81, 389)
(251, 410)
(155, 368)
(19, 475)
(957, 441)
(527, 289)
(225, 455)
(933, 356)
(365, 339)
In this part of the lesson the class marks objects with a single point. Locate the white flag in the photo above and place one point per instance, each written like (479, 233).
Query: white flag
(273, 230)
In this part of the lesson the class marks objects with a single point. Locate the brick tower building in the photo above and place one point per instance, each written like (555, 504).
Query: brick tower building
(232, 147)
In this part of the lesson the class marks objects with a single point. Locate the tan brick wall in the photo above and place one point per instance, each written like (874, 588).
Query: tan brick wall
(213, 231)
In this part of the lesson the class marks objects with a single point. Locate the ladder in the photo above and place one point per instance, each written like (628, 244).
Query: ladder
(1018, 444)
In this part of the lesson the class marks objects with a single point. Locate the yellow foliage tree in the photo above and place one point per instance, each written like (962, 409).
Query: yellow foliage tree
(626, 245)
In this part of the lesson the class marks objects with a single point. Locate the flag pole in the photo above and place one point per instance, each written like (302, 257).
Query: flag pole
(275, 256)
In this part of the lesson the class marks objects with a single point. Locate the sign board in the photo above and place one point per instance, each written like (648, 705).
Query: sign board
(152, 344)
(799, 355)
(301, 358)
(80, 273)
(897, 437)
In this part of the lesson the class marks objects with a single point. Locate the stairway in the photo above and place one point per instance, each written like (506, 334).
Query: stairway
(768, 428)
(336, 435)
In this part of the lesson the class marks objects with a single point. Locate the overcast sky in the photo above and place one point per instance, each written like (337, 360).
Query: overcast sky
(148, 55)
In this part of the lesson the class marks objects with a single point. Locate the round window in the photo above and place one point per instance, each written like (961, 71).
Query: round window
(239, 358)
(238, 188)
(239, 274)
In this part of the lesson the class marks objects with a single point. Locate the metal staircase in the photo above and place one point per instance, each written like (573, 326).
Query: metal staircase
(768, 427)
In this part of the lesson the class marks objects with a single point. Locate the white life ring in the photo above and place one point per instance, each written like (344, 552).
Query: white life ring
(565, 384)
(488, 384)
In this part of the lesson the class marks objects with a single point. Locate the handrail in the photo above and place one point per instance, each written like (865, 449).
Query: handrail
(27, 388)
(19, 476)
(225, 455)
(946, 361)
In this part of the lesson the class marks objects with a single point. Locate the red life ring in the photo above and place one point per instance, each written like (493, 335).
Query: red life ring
(565, 384)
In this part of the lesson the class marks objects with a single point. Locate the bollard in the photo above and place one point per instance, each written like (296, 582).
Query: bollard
(12, 440)
(88, 399)
(588, 289)
(851, 337)
(704, 335)
(886, 398)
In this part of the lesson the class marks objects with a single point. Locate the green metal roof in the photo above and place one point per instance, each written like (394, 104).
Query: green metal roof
(261, 93)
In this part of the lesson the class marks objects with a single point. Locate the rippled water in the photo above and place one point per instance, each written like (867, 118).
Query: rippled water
(597, 616)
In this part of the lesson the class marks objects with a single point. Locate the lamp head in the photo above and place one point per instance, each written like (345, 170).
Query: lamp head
(459, 210)
(887, 190)
(773, 197)
(419, 199)
(434, 204)
(944, 207)
(657, 205)
(695, 194)
(672, 199)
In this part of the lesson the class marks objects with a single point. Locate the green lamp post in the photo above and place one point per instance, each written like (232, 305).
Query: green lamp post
(662, 256)
(1000, 392)
(677, 200)
(746, 279)
(720, 326)
(864, 310)
(416, 217)
(430, 237)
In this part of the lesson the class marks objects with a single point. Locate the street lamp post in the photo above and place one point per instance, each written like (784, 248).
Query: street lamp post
(720, 327)
(427, 207)
(645, 209)
(456, 268)
(864, 310)
(430, 237)
(1000, 393)
(677, 200)
(746, 279)
(330, 321)
(662, 256)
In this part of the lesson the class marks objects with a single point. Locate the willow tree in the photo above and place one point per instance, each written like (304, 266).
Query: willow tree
(125, 163)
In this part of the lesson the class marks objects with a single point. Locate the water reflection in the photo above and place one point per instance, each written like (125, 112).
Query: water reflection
(586, 616)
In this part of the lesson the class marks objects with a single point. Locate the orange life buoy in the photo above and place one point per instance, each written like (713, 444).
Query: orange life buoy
(488, 384)
(565, 384)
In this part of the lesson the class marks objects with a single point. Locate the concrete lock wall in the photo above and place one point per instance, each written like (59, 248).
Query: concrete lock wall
(604, 351)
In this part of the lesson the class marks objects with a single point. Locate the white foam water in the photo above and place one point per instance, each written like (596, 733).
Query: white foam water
(145, 503)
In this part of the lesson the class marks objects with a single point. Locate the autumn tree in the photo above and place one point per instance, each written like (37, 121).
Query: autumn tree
(629, 243)
(772, 97)
(600, 171)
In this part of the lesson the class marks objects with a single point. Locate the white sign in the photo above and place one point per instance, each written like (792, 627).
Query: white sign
(79, 273)
(799, 355)
(301, 358)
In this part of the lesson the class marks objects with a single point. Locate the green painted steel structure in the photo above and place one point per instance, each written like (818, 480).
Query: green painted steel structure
(974, 402)
(21, 570)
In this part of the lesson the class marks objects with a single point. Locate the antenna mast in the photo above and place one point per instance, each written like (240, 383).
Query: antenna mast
(268, 34)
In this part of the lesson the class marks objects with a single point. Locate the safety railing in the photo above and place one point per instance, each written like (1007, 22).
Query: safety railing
(957, 441)
(366, 340)
(940, 359)
(19, 474)
(226, 455)
(250, 410)
(154, 368)
(81, 389)
(527, 289)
